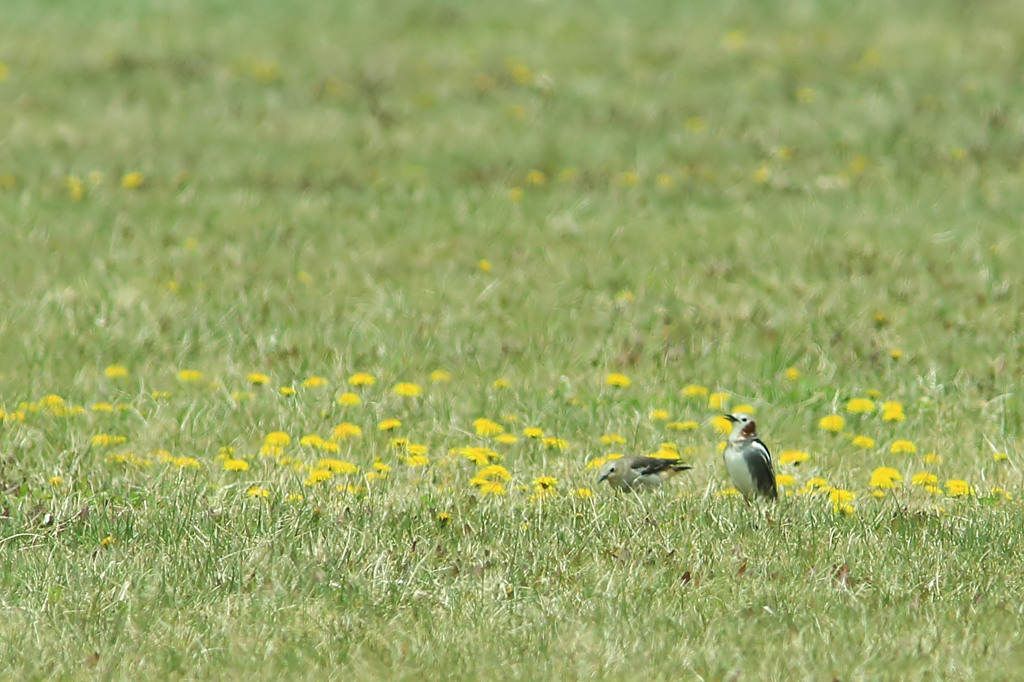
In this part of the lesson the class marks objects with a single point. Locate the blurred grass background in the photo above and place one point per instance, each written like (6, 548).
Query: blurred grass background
(704, 193)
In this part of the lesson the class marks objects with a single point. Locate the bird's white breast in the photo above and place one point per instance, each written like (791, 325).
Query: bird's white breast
(739, 472)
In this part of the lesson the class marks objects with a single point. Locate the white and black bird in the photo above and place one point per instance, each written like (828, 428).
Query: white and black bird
(747, 459)
(639, 473)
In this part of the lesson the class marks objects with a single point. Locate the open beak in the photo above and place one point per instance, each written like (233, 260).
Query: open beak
(731, 418)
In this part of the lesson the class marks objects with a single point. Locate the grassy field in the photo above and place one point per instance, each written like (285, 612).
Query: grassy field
(318, 318)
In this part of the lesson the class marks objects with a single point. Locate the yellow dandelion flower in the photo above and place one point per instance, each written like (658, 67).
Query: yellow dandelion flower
(346, 430)
(617, 380)
(583, 492)
(477, 455)
(314, 382)
(279, 438)
(682, 426)
(491, 488)
(959, 488)
(832, 422)
(287, 391)
(734, 41)
(494, 471)
(76, 188)
(186, 462)
(407, 389)
(695, 124)
(784, 481)
(439, 375)
(501, 383)
(381, 467)
(717, 401)
(877, 493)
(317, 476)
(337, 466)
(762, 174)
(873, 393)
(486, 427)
(444, 517)
(507, 439)
(102, 407)
(311, 441)
(555, 443)
(896, 354)
(792, 374)
(860, 406)
(388, 425)
(933, 490)
(103, 440)
(838, 495)
(257, 491)
(892, 411)
(793, 457)
(728, 492)
(107, 541)
(902, 446)
(116, 372)
(596, 463)
(659, 415)
(509, 418)
(610, 438)
(843, 508)
(694, 391)
(749, 409)
(398, 443)
(863, 442)
(133, 180)
(348, 399)
(721, 446)
(1000, 456)
(533, 432)
(294, 497)
(257, 379)
(924, 478)
(515, 194)
(190, 376)
(721, 424)
(416, 449)
(236, 465)
(56, 481)
(885, 477)
(484, 265)
(361, 379)
(417, 461)
(269, 450)
(536, 177)
(932, 458)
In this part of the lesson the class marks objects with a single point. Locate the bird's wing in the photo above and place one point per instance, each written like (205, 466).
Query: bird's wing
(759, 457)
(646, 466)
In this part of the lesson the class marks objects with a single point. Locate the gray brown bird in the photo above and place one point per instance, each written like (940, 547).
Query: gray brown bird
(639, 473)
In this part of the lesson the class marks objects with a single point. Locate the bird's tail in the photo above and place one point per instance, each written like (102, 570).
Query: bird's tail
(676, 467)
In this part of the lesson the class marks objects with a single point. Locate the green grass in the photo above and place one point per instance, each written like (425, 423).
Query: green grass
(686, 193)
